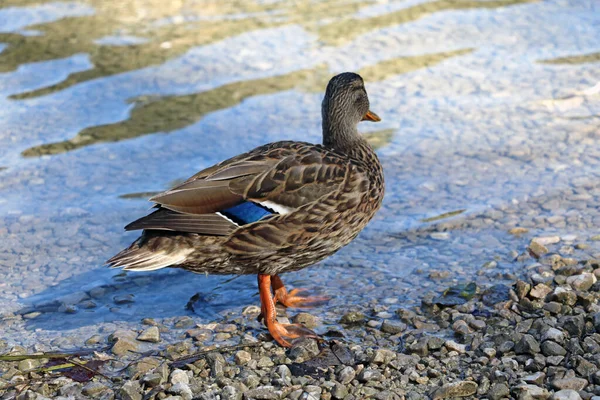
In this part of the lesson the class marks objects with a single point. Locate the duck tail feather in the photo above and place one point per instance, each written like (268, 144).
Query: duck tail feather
(141, 257)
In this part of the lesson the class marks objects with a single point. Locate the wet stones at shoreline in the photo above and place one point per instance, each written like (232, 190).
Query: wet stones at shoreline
(537, 339)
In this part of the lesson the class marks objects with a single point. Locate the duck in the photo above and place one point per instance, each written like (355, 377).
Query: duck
(275, 209)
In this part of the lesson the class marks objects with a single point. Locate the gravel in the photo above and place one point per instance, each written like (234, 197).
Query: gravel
(535, 342)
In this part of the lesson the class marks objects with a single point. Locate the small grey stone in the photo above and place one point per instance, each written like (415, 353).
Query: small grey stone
(346, 375)
(554, 360)
(124, 342)
(540, 291)
(242, 357)
(455, 389)
(285, 373)
(28, 364)
(489, 352)
(152, 379)
(217, 363)
(574, 324)
(553, 306)
(353, 318)
(231, 393)
(369, 374)
(393, 327)
(453, 346)
(477, 324)
(554, 335)
(306, 319)
(179, 376)
(382, 356)
(586, 368)
(265, 362)
(131, 390)
(184, 322)
(263, 393)
(531, 392)
(522, 288)
(527, 345)
(183, 390)
(303, 350)
(498, 391)
(550, 348)
(435, 343)
(151, 334)
(569, 383)
(93, 388)
(461, 327)
(582, 281)
(124, 299)
(339, 391)
(564, 295)
(420, 347)
(313, 389)
(567, 394)
(546, 240)
(537, 249)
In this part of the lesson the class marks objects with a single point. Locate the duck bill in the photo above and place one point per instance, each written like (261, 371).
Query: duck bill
(371, 116)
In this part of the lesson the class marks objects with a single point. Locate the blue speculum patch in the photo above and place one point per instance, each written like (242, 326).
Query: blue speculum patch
(246, 213)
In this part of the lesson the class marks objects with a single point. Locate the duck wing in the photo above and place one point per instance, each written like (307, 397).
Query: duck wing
(272, 179)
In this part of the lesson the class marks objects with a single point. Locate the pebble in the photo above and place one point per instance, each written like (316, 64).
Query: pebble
(566, 395)
(179, 376)
(242, 357)
(151, 334)
(393, 327)
(574, 383)
(353, 318)
(498, 391)
(540, 291)
(456, 389)
(123, 342)
(93, 388)
(183, 390)
(582, 281)
(131, 390)
(546, 240)
(531, 392)
(306, 319)
(537, 249)
(454, 346)
(263, 393)
(124, 299)
(346, 375)
(368, 374)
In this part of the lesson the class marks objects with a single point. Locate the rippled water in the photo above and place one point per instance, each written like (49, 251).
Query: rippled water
(491, 113)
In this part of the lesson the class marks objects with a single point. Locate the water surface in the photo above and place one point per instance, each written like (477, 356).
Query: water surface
(490, 111)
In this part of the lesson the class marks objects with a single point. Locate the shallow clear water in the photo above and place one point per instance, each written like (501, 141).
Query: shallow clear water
(491, 110)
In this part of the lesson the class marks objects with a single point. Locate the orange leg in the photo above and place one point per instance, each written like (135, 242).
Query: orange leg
(279, 331)
(291, 299)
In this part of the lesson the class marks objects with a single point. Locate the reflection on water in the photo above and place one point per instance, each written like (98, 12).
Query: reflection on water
(348, 28)
(490, 122)
(575, 59)
(72, 35)
(166, 114)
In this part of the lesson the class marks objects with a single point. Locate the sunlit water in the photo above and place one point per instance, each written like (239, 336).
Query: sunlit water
(491, 112)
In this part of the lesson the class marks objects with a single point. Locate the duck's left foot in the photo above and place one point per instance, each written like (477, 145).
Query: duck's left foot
(282, 333)
(291, 299)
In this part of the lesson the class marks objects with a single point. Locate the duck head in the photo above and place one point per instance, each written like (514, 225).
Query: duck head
(345, 104)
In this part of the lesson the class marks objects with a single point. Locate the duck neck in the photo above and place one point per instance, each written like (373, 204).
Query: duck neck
(341, 135)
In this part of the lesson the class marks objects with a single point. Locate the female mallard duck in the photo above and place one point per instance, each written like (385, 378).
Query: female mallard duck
(278, 208)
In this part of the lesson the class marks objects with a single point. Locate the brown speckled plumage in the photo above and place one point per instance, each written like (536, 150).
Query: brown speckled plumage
(322, 196)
